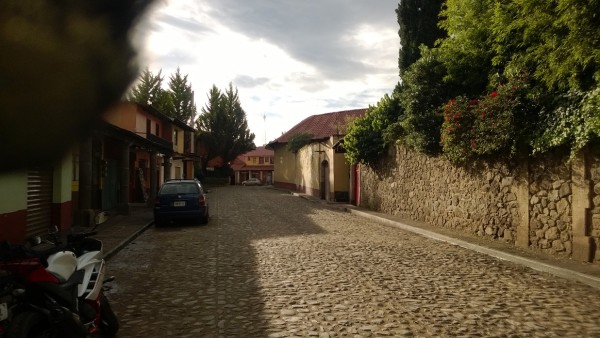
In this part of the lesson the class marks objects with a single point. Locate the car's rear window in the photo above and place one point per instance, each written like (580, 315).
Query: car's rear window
(179, 188)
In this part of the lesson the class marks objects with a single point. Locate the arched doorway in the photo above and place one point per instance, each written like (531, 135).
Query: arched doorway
(324, 186)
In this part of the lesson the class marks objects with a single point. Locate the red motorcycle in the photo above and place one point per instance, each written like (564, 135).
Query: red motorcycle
(58, 292)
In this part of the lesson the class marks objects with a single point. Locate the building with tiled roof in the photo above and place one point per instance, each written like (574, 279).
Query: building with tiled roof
(257, 163)
(323, 126)
(319, 168)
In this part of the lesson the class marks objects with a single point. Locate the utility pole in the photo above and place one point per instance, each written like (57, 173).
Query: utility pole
(265, 120)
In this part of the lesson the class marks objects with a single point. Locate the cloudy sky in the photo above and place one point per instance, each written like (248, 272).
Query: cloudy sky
(289, 59)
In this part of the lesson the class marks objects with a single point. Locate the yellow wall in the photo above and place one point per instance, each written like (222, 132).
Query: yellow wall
(13, 191)
(284, 165)
(255, 160)
(62, 179)
(342, 173)
(178, 145)
(308, 162)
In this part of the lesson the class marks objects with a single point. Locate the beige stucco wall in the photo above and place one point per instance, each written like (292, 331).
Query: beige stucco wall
(307, 167)
(284, 166)
(303, 171)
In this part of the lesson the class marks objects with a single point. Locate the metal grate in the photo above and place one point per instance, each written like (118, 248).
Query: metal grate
(39, 200)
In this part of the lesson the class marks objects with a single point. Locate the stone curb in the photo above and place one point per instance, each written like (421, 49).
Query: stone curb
(108, 255)
(533, 264)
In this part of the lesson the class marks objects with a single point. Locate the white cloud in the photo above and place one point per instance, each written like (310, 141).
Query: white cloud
(288, 59)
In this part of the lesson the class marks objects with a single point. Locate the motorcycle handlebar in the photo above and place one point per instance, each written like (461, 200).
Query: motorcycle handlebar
(10, 251)
(44, 248)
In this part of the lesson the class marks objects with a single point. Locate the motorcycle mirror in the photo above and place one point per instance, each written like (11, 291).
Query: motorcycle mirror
(35, 240)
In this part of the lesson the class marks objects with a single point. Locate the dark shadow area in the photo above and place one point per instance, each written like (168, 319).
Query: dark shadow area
(203, 279)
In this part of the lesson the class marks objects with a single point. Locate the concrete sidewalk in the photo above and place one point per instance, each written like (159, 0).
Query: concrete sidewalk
(119, 230)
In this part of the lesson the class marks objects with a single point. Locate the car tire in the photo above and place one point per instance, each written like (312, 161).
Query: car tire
(203, 219)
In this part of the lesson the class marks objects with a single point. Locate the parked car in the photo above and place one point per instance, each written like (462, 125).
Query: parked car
(180, 200)
(252, 181)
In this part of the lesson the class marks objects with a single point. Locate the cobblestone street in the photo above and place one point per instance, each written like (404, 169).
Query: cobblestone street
(270, 264)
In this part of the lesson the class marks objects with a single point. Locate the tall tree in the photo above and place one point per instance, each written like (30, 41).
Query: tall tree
(149, 90)
(556, 43)
(418, 20)
(182, 98)
(208, 125)
(467, 53)
(223, 127)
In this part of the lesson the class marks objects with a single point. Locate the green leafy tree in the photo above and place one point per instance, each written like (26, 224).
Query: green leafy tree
(418, 21)
(555, 41)
(574, 122)
(149, 91)
(423, 92)
(488, 46)
(365, 140)
(557, 44)
(467, 52)
(223, 126)
(182, 98)
(209, 126)
(453, 67)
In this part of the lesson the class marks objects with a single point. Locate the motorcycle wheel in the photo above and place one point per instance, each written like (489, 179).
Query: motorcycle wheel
(30, 325)
(109, 324)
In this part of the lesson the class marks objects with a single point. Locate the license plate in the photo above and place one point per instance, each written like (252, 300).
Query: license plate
(3, 311)
(179, 204)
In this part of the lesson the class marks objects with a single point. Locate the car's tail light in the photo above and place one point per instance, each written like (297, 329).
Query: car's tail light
(157, 203)
(202, 200)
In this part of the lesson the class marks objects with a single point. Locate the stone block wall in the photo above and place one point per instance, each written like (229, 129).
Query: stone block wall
(528, 204)
(550, 200)
(595, 196)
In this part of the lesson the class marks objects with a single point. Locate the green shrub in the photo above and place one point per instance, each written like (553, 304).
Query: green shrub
(364, 141)
(421, 95)
(491, 126)
(573, 122)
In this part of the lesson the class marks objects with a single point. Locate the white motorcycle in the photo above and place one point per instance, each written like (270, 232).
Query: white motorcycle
(65, 298)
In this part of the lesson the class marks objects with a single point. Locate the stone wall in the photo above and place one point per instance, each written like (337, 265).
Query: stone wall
(595, 192)
(550, 202)
(528, 204)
